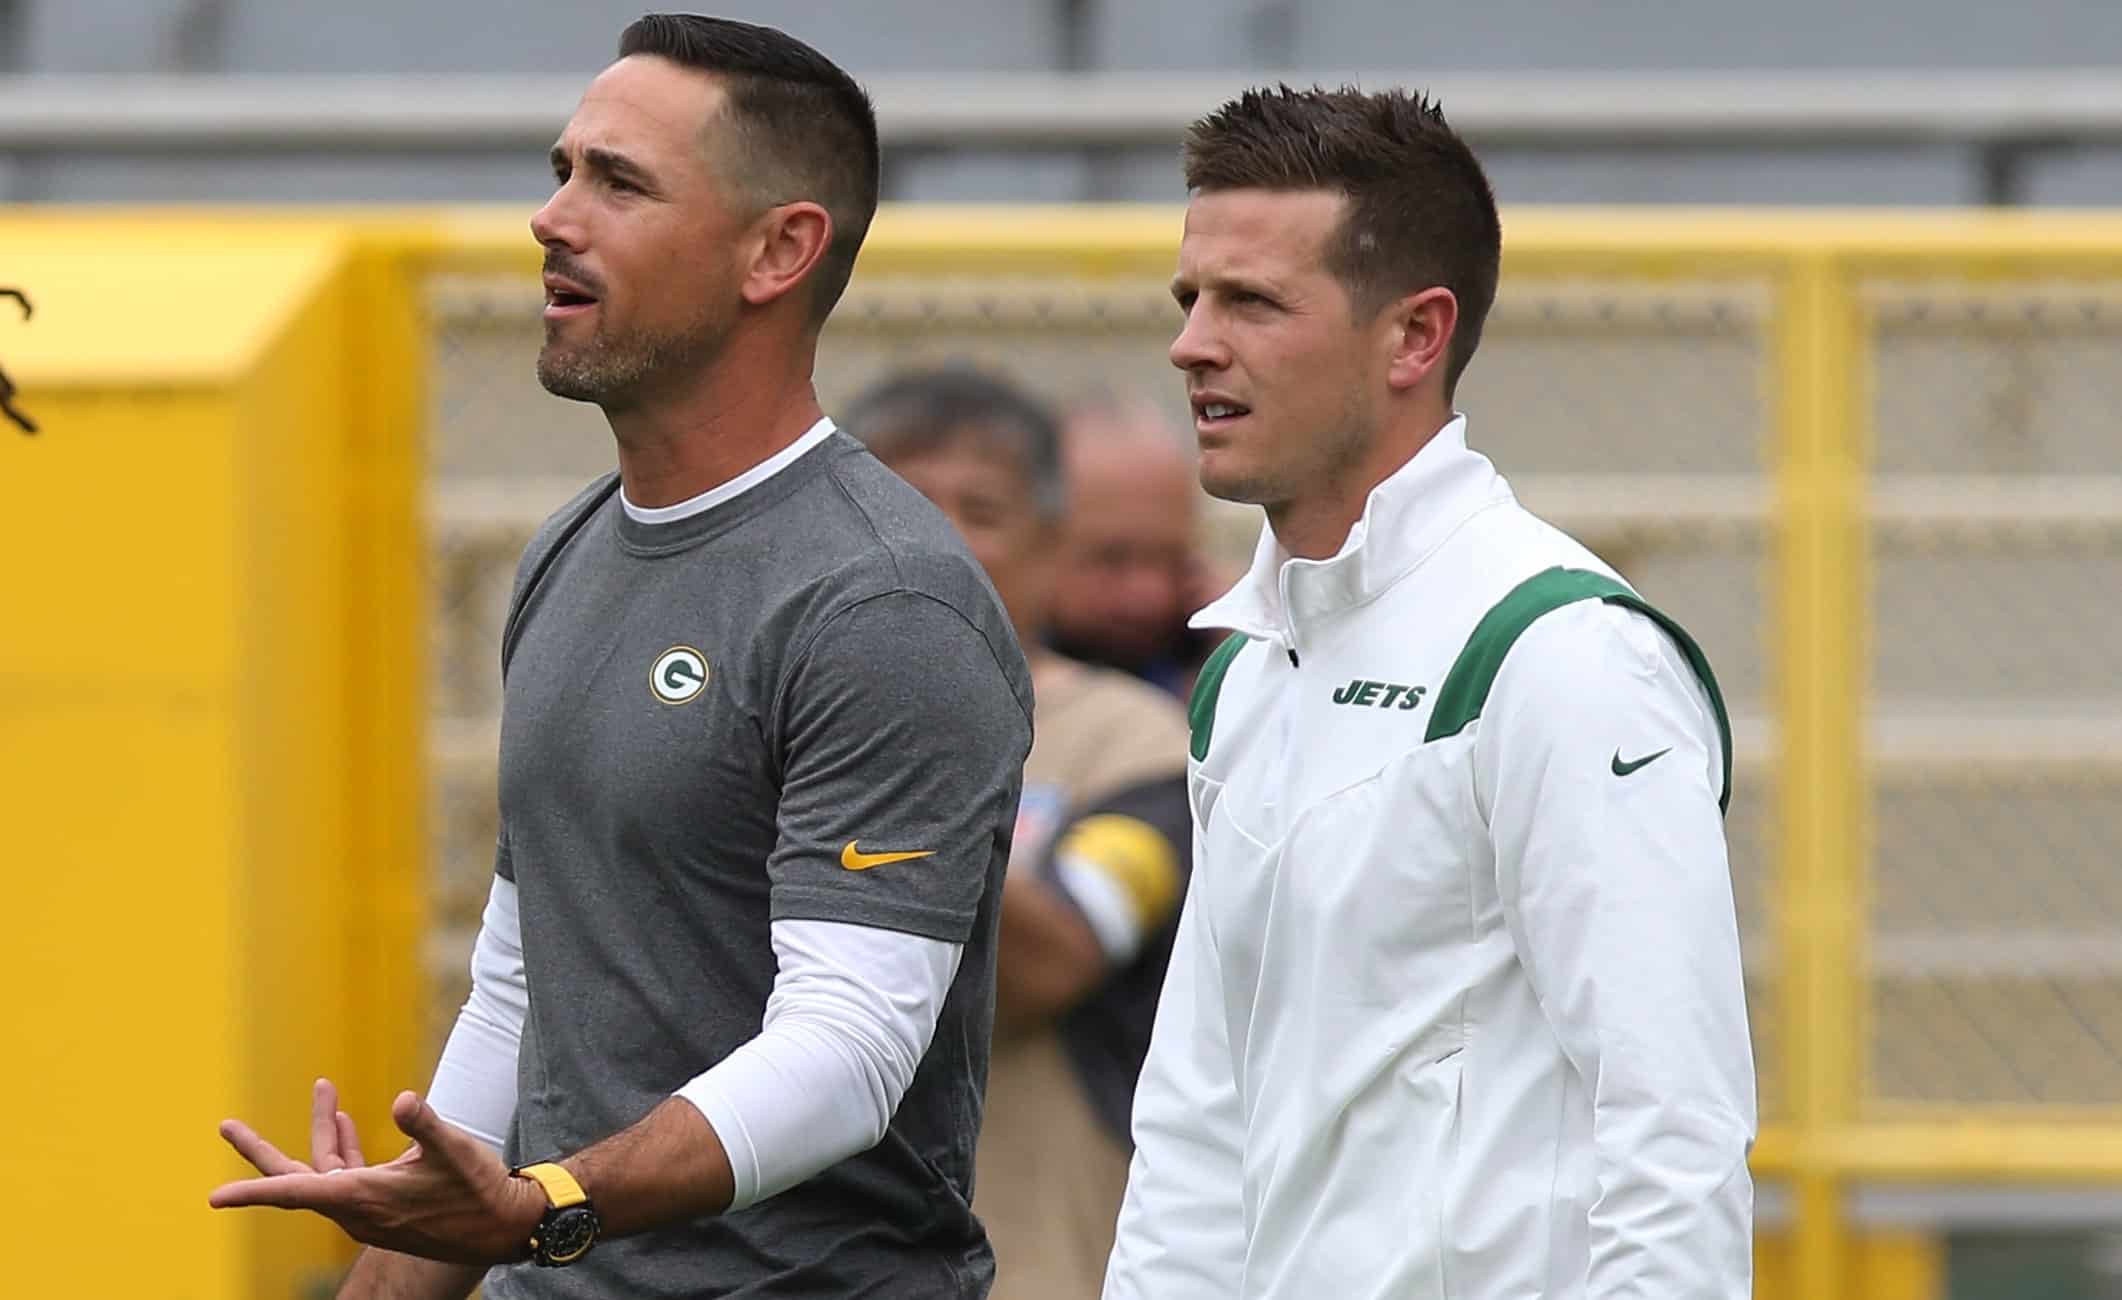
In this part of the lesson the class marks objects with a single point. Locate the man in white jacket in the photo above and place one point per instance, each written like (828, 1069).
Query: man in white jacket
(1456, 1006)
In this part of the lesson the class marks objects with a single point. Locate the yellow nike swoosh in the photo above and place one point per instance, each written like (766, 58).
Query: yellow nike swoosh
(855, 860)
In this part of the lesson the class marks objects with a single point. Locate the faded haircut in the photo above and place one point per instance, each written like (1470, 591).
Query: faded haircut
(802, 128)
(1420, 212)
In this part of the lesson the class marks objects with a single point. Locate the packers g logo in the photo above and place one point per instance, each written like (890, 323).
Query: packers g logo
(678, 674)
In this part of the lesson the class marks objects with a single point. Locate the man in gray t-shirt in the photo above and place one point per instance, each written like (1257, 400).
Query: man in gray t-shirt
(762, 736)
(722, 722)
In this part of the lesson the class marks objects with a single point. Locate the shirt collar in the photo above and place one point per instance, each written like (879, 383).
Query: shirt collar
(1405, 519)
(733, 488)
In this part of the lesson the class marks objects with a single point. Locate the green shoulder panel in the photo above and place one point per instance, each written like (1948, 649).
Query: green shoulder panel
(1465, 690)
(1201, 709)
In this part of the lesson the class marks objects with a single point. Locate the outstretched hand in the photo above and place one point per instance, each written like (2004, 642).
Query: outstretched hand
(333, 1143)
(448, 1197)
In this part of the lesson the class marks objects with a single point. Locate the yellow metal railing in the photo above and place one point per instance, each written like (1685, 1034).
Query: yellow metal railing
(1820, 624)
(1045, 290)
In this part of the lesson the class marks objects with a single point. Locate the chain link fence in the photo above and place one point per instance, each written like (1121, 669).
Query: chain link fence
(1995, 922)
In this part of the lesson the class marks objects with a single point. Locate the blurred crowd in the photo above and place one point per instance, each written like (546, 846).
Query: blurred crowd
(1085, 520)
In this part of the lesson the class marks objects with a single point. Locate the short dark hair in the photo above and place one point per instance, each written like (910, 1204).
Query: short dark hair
(1420, 210)
(803, 128)
(916, 411)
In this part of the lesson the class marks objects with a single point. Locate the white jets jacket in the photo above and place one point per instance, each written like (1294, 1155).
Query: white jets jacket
(1455, 1009)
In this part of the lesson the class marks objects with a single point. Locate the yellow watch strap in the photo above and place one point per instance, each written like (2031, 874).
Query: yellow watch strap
(561, 1189)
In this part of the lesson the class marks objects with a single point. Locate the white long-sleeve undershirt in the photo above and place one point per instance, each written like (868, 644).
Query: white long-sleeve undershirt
(851, 1014)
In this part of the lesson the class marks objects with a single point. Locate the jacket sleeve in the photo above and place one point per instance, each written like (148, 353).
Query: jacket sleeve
(1181, 1234)
(1597, 766)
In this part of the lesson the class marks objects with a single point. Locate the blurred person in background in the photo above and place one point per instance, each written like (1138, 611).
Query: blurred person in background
(1101, 852)
(1455, 1006)
(763, 727)
(1130, 568)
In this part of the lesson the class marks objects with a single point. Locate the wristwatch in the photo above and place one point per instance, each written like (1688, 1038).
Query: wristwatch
(569, 1227)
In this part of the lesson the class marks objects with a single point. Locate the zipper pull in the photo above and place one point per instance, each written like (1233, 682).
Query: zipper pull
(1293, 656)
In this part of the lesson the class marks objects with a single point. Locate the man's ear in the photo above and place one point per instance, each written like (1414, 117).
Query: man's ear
(791, 238)
(1420, 329)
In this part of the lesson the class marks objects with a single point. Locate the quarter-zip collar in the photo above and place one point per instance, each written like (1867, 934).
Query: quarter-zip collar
(1405, 519)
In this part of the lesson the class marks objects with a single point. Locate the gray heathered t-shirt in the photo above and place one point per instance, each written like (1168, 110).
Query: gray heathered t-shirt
(699, 718)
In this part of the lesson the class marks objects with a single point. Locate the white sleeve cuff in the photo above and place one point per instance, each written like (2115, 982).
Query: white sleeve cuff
(850, 1017)
(475, 1081)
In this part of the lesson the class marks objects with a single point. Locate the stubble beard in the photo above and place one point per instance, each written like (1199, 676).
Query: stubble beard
(1329, 455)
(617, 371)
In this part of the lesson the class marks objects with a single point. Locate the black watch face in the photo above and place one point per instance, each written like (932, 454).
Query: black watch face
(568, 1234)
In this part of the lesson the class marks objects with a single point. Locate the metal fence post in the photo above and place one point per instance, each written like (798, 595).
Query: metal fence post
(1820, 611)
